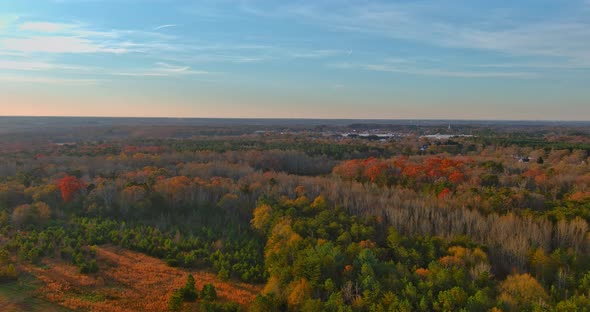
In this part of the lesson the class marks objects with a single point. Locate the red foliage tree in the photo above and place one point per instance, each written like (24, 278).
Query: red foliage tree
(349, 170)
(456, 177)
(69, 186)
(446, 192)
(420, 170)
(374, 168)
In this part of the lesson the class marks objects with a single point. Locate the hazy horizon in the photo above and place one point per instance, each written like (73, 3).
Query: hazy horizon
(311, 119)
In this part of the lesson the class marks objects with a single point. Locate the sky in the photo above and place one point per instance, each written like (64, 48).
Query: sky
(408, 59)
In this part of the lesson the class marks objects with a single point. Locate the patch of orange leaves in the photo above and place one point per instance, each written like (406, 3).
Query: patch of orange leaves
(444, 193)
(422, 272)
(448, 261)
(580, 196)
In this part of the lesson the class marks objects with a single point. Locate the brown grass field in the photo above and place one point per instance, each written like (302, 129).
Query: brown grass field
(22, 295)
(127, 281)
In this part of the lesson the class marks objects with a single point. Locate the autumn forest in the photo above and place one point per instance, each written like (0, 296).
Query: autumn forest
(263, 215)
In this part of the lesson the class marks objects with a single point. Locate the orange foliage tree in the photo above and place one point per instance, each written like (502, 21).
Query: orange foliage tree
(69, 187)
(428, 169)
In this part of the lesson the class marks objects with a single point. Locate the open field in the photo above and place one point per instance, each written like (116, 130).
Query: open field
(22, 295)
(127, 281)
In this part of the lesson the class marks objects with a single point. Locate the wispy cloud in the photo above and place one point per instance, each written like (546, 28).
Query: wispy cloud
(58, 38)
(163, 70)
(45, 26)
(564, 40)
(71, 38)
(537, 65)
(220, 54)
(46, 80)
(12, 53)
(414, 69)
(20, 65)
(448, 73)
(165, 67)
(252, 53)
(58, 44)
(317, 53)
(33, 46)
(336, 86)
(569, 41)
(6, 20)
(29, 65)
(165, 26)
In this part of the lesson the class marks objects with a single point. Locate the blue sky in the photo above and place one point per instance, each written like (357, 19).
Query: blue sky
(460, 59)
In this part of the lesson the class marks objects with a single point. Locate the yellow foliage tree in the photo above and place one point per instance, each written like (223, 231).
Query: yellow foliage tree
(301, 291)
(521, 291)
(542, 265)
(41, 211)
(319, 203)
(262, 217)
(281, 236)
(273, 286)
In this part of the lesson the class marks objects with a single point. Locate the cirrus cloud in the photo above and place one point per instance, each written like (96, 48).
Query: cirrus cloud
(57, 44)
(46, 80)
(45, 26)
(163, 70)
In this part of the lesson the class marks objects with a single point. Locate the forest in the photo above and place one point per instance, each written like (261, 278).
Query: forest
(304, 218)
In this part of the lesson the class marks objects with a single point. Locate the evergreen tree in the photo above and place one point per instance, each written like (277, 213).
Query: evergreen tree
(189, 291)
(209, 293)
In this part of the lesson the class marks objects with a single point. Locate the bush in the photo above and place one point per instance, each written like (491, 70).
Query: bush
(189, 292)
(209, 293)
(8, 273)
(175, 301)
(88, 268)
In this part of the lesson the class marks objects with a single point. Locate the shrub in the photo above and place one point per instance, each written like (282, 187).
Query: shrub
(189, 292)
(175, 301)
(208, 293)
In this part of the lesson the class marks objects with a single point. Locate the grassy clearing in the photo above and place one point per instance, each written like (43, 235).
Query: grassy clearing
(93, 297)
(127, 281)
(23, 295)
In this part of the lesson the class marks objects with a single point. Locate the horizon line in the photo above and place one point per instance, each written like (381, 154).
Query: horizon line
(290, 118)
